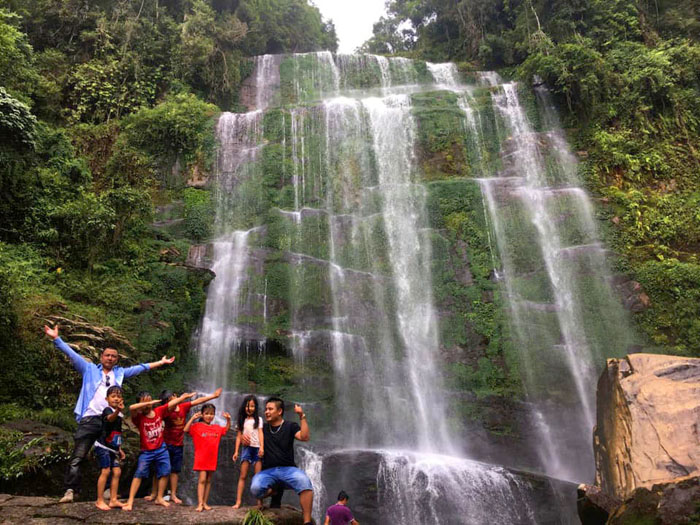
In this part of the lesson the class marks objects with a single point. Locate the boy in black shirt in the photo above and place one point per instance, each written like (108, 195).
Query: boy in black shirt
(278, 468)
(108, 449)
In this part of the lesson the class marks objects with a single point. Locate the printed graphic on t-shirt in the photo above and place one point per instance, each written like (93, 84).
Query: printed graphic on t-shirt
(151, 428)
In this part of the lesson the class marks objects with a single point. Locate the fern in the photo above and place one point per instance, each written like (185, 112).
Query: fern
(255, 517)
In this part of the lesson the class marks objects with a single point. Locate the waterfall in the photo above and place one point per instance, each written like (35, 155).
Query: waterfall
(562, 346)
(325, 255)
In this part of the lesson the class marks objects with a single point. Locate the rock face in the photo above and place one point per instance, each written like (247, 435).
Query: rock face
(648, 423)
(23, 509)
(672, 503)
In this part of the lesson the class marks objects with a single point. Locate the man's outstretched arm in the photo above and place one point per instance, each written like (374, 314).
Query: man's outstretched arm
(79, 363)
(137, 369)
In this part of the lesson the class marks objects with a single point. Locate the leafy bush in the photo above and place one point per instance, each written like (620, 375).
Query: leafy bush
(179, 129)
(198, 213)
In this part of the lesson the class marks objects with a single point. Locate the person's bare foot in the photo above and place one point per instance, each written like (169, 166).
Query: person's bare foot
(207, 507)
(161, 502)
(199, 508)
(116, 504)
(237, 505)
(127, 506)
(150, 497)
(102, 505)
(175, 499)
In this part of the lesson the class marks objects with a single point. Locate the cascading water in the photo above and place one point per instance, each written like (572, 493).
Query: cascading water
(325, 252)
(565, 319)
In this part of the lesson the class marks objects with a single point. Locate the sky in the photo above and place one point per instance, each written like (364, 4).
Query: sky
(353, 20)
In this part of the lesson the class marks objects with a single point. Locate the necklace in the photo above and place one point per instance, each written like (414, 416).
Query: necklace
(278, 428)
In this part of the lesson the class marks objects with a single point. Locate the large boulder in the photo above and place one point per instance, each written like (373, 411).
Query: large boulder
(647, 425)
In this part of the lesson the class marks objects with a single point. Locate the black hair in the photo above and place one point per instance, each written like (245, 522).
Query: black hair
(143, 394)
(109, 348)
(242, 414)
(343, 495)
(165, 396)
(114, 388)
(208, 406)
(277, 401)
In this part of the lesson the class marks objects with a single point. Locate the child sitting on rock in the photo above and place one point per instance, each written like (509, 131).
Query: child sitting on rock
(206, 438)
(149, 420)
(108, 449)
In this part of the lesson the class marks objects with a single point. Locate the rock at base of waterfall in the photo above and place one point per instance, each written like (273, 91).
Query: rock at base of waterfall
(672, 503)
(595, 506)
(29, 510)
(647, 422)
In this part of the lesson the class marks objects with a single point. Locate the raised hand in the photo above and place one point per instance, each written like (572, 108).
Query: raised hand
(167, 360)
(298, 410)
(120, 406)
(218, 391)
(51, 332)
(226, 415)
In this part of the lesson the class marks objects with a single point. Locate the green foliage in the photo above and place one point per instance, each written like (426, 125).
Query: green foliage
(276, 26)
(255, 517)
(180, 129)
(476, 324)
(13, 462)
(16, 58)
(198, 213)
(17, 124)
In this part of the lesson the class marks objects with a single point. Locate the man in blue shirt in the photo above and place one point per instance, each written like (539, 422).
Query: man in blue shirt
(92, 401)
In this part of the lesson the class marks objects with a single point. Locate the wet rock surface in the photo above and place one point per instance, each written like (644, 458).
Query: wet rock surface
(40, 510)
(383, 484)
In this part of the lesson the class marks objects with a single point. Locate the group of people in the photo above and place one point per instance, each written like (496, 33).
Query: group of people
(162, 424)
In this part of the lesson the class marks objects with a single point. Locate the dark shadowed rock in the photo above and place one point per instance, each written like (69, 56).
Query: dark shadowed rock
(39, 510)
(594, 506)
(676, 502)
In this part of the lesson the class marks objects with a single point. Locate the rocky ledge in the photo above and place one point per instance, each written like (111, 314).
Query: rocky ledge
(35, 510)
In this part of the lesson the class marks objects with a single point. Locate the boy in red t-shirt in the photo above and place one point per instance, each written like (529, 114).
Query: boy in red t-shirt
(206, 438)
(149, 420)
(174, 437)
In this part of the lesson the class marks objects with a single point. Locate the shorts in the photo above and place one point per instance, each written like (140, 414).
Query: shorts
(107, 458)
(175, 453)
(250, 454)
(158, 458)
(290, 477)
